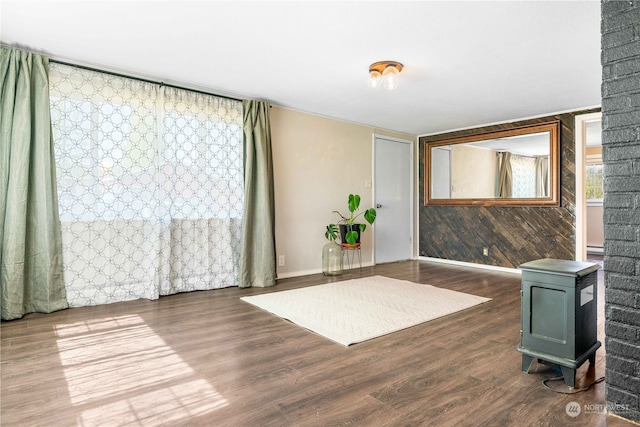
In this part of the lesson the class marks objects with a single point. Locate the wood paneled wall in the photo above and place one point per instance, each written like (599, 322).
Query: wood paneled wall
(514, 235)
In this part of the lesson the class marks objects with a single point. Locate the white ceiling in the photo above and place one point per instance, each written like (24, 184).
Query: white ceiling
(533, 144)
(466, 63)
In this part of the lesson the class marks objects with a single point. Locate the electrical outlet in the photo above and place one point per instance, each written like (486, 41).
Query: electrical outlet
(485, 251)
(281, 261)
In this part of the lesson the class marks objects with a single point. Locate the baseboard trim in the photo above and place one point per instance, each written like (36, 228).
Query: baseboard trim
(315, 271)
(420, 258)
(473, 265)
(298, 273)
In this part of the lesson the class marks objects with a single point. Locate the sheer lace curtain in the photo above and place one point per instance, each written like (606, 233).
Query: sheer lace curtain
(523, 176)
(150, 183)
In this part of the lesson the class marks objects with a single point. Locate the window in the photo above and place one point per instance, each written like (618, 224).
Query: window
(150, 186)
(594, 186)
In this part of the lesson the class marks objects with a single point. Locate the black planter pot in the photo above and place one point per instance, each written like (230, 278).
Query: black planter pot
(345, 228)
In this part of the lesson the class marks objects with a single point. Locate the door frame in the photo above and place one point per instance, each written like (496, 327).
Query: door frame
(580, 131)
(412, 195)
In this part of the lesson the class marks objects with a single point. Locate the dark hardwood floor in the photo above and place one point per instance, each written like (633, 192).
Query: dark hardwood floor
(209, 359)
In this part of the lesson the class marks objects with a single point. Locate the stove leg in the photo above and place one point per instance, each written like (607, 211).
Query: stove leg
(569, 375)
(527, 361)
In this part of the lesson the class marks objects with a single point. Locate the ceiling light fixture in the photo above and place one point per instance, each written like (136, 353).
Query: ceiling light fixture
(385, 73)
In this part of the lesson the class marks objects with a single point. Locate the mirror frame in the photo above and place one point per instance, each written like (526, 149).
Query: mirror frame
(554, 167)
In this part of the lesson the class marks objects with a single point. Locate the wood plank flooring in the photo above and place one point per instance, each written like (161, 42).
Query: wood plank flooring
(209, 359)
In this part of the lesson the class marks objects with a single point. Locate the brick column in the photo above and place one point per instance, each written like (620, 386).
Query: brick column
(621, 156)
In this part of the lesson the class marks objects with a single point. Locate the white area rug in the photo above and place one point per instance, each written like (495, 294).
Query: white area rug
(357, 310)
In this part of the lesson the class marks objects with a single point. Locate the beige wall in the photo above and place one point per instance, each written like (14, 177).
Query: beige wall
(318, 162)
(595, 226)
(479, 184)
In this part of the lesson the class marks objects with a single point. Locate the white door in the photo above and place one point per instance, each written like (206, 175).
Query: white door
(440, 179)
(393, 189)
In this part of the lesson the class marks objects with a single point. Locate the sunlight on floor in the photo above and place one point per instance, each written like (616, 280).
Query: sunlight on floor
(124, 373)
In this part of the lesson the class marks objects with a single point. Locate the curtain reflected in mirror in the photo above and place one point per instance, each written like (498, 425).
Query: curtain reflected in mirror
(505, 178)
(542, 176)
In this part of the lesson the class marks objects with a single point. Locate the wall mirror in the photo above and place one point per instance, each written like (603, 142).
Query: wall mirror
(513, 167)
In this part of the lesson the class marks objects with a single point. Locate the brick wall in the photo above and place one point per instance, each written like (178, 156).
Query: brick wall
(621, 155)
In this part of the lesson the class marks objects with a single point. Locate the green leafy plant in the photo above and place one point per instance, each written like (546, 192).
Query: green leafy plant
(332, 232)
(354, 205)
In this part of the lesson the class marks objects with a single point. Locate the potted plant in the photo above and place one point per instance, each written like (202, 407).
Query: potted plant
(349, 229)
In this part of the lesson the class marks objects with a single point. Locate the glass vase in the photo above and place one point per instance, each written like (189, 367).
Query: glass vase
(332, 259)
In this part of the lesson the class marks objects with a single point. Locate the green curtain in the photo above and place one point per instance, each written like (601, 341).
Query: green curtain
(542, 176)
(31, 277)
(258, 256)
(505, 178)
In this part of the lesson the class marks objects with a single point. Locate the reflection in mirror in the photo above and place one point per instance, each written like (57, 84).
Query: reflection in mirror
(514, 167)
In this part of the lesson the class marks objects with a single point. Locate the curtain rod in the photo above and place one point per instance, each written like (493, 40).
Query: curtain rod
(114, 73)
(146, 80)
